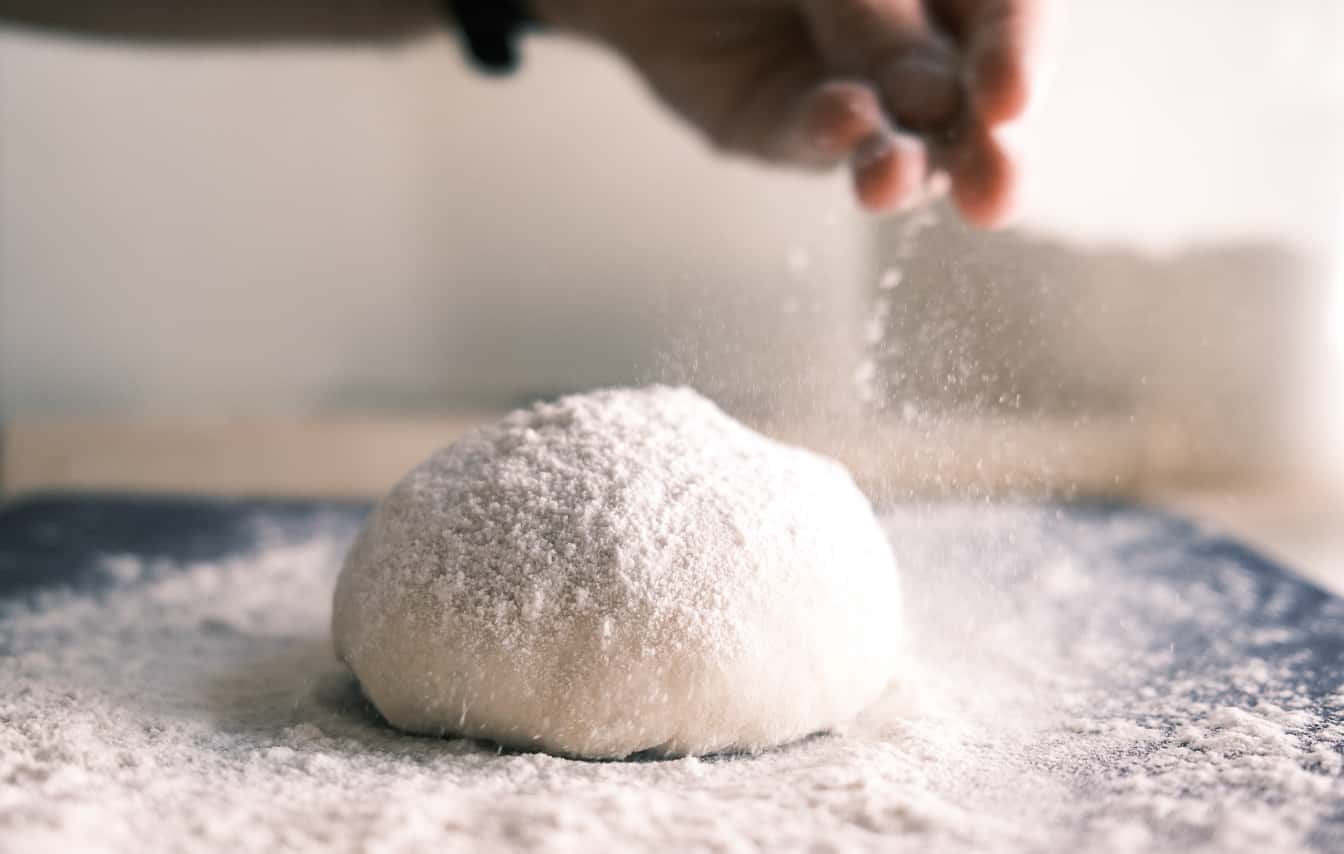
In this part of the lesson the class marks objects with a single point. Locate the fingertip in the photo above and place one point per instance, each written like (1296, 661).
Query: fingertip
(1002, 84)
(888, 171)
(985, 185)
(1006, 57)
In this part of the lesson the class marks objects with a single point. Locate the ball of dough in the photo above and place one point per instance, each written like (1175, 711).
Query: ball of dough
(627, 571)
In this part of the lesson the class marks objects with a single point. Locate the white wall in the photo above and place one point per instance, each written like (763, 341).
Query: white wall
(280, 229)
(1197, 120)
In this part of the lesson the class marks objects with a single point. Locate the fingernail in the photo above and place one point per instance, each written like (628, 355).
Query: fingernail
(873, 149)
(879, 147)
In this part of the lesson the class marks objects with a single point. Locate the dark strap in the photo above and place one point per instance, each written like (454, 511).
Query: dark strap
(491, 28)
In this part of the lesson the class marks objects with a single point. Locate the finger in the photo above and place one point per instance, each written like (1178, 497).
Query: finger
(769, 115)
(1001, 41)
(892, 43)
(889, 171)
(984, 175)
(833, 119)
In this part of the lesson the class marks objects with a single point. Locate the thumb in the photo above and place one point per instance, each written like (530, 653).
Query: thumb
(894, 45)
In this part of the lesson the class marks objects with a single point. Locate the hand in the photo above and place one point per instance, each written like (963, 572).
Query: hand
(901, 89)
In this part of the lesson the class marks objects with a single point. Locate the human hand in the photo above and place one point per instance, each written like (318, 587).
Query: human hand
(901, 89)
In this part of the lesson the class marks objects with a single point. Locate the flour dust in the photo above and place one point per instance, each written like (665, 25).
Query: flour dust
(1105, 681)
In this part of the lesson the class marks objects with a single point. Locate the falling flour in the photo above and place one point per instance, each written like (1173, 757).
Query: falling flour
(625, 571)
(1076, 680)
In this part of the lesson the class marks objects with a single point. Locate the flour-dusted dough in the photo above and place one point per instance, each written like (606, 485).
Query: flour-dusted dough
(623, 571)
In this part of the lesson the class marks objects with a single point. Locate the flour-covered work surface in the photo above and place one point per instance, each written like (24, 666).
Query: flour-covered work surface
(1082, 678)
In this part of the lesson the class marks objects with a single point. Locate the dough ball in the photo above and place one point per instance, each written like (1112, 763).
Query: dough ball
(621, 572)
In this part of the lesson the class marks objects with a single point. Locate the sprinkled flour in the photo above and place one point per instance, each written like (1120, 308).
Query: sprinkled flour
(1084, 680)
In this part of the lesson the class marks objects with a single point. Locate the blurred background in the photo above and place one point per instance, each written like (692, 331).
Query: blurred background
(295, 267)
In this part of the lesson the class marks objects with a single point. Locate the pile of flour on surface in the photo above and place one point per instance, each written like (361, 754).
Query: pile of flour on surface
(1080, 681)
(627, 571)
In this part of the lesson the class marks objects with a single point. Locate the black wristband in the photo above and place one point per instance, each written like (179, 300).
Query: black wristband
(490, 29)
